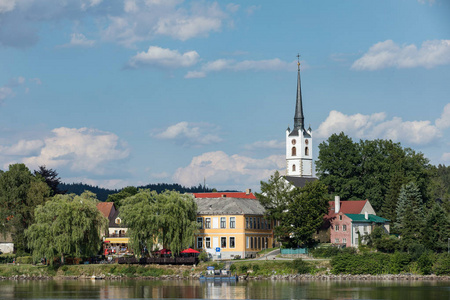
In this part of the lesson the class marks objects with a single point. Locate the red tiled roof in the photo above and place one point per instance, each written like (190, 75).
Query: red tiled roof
(348, 207)
(105, 208)
(225, 194)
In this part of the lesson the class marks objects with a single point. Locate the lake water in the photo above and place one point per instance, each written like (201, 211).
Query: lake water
(138, 289)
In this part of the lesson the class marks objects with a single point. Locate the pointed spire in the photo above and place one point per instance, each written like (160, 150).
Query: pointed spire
(299, 120)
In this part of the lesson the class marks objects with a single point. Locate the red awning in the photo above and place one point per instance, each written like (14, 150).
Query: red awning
(190, 250)
(163, 251)
(107, 242)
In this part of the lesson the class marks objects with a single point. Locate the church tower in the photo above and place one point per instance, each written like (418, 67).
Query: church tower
(299, 140)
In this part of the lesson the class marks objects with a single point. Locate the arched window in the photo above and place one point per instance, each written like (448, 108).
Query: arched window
(293, 168)
(294, 151)
(306, 151)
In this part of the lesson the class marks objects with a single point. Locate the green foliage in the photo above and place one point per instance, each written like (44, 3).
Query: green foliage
(442, 264)
(233, 268)
(203, 256)
(255, 268)
(20, 193)
(425, 263)
(168, 218)
(382, 241)
(123, 194)
(437, 229)
(24, 260)
(243, 268)
(367, 263)
(66, 225)
(304, 214)
(51, 178)
(373, 170)
(301, 266)
(7, 258)
(410, 215)
(398, 262)
(325, 252)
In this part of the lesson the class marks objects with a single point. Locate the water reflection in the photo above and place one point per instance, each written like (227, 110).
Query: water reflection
(266, 289)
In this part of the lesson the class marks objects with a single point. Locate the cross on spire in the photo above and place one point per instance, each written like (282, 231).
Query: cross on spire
(298, 60)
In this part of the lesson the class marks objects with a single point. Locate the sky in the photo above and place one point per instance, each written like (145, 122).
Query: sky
(119, 93)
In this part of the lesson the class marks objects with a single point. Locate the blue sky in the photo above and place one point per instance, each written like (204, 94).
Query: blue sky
(117, 93)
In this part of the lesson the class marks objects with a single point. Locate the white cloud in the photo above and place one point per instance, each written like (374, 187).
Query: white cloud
(7, 90)
(446, 156)
(272, 144)
(165, 58)
(7, 5)
(376, 126)
(22, 148)
(388, 54)
(85, 4)
(238, 66)
(233, 7)
(78, 40)
(190, 134)
(230, 172)
(444, 121)
(130, 6)
(80, 150)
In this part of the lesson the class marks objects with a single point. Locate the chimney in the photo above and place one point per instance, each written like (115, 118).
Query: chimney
(337, 204)
(248, 191)
(366, 215)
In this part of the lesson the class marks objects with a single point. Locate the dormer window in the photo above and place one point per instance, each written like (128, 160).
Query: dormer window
(118, 220)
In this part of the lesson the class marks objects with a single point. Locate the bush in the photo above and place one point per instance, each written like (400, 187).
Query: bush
(442, 264)
(301, 266)
(6, 258)
(367, 263)
(233, 268)
(325, 252)
(256, 268)
(203, 256)
(425, 263)
(243, 268)
(24, 260)
(398, 262)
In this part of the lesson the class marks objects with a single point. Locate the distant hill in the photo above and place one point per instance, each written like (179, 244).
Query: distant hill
(102, 193)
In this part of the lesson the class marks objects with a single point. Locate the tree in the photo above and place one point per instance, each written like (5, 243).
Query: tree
(410, 214)
(51, 178)
(20, 193)
(274, 196)
(124, 193)
(304, 214)
(168, 219)
(67, 225)
(437, 229)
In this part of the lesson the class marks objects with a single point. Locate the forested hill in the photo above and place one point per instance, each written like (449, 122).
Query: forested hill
(102, 193)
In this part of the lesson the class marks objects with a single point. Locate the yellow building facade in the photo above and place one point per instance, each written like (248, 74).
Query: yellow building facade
(230, 227)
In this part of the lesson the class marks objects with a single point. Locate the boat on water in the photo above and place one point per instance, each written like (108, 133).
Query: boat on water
(218, 275)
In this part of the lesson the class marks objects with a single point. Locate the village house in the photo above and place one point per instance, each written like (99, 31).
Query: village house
(232, 227)
(116, 239)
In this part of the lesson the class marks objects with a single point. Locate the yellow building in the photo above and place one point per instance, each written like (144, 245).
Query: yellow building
(230, 227)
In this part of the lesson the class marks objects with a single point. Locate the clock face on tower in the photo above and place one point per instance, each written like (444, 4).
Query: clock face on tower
(294, 142)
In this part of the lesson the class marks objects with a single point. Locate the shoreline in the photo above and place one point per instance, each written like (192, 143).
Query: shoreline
(293, 277)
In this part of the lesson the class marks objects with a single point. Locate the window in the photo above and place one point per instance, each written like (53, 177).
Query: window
(200, 223)
(247, 242)
(336, 227)
(344, 227)
(118, 220)
(223, 242)
(223, 222)
(199, 242)
(246, 223)
(251, 242)
(294, 151)
(344, 240)
(259, 223)
(268, 225)
(293, 168)
(232, 222)
(232, 244)
(306, 151)
(208, 242)
(259, 242)
(254, 222)
(207, 222)
(336, 241)
(340, 217)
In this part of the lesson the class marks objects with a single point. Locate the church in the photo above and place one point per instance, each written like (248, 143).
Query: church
(299, 145)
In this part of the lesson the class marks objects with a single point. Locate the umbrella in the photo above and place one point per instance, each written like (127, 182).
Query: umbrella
(163, 251)
(189, 250)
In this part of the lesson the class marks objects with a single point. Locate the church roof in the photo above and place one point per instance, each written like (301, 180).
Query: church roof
(299, 120)
(299, 181)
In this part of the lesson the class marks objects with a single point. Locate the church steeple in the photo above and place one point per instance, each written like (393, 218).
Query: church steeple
(299, 120)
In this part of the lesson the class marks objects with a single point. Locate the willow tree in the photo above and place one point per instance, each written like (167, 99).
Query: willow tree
(178, 214)
(141, 216)
(67, 225)
(167, 219)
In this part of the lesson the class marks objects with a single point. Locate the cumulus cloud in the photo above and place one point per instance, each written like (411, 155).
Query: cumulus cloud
(190, 134)
(272, 144)
(7, 5)
(230, 172)
(377, 126)
(218, 65)
(79, 150)
(388, 54)
(163, 58)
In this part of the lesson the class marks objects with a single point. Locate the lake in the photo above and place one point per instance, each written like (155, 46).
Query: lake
(193, 289)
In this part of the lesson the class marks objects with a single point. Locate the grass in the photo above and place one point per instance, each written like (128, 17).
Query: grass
(269, 268)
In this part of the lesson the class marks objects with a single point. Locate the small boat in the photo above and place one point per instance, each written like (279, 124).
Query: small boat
(218, 275)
